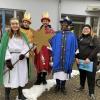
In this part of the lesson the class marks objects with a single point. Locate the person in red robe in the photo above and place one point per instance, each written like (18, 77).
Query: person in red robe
(43, 57)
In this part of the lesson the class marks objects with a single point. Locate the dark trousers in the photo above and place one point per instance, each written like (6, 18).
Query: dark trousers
(41, 78)
(7, 93)
(60, 84)
(20, 94)
(28, 65)
(90, 79)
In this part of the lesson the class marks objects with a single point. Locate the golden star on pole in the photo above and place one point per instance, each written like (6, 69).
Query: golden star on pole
(41, 38)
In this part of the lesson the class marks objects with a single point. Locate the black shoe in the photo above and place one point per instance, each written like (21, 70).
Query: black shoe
(39, 80)
(56, 89)
(44, 78)
(7, 93)
(92, 97)
(44, 82)
(22, 97)
(7, 98)
(63, 91)
(79, 89)
(20, 94)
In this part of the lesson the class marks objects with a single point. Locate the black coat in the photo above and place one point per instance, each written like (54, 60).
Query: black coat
(88, 47)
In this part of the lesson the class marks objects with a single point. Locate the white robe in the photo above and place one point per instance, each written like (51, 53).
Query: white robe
(18, 76)
(60, 75)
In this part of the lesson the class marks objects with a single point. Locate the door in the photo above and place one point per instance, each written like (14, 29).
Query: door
(0, 24)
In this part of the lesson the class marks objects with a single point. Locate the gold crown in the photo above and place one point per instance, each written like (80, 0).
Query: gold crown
(45, 15)
(27, 17)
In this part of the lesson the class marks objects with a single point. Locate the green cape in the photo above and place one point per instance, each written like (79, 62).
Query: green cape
(3, 47)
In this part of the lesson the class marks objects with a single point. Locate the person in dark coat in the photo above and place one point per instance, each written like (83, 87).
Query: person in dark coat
(88, 49)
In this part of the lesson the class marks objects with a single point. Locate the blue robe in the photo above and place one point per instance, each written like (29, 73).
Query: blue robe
(69, 51)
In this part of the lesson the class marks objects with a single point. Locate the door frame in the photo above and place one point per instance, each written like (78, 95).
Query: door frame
(98, 27)
(2, 13)
(3, 21)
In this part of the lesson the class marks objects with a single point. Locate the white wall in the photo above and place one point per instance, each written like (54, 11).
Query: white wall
(35, 7)
(78, 7)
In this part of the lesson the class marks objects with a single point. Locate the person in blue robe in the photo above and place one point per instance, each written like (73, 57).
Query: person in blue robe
(64, 45)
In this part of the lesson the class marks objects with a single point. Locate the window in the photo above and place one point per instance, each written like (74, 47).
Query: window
(78, 22)
(7, 15)
(20, 15)
(94, 24)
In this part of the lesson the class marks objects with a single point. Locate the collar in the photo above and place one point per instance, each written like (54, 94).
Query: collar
(25, 28)
(86, 35)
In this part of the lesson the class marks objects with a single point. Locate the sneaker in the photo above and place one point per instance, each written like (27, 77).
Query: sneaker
(92, 97)
(79, 89)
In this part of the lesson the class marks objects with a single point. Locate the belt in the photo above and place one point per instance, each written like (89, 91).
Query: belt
(15, 52)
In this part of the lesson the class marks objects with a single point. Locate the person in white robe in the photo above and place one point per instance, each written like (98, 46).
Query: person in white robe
(17, 76)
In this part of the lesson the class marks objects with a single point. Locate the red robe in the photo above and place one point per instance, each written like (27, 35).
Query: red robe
(42, 59)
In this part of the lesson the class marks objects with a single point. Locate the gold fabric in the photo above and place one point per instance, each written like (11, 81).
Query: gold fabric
(41, 38)
(29, 33)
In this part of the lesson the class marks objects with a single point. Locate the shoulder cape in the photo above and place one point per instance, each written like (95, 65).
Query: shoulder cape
(3, 47)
